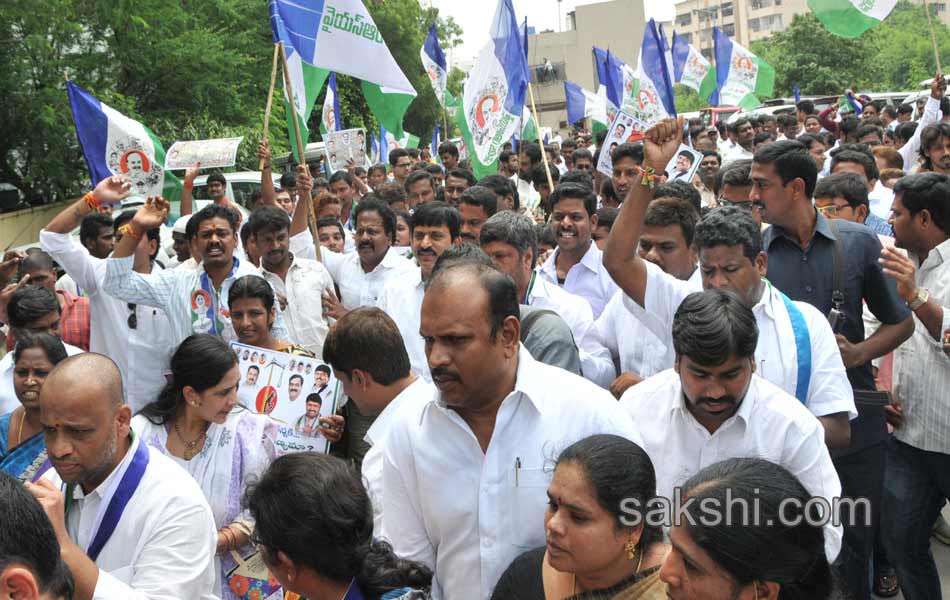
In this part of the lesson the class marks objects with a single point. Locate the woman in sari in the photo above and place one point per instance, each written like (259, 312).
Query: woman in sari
(22, 447)
(599, 546)
(196, 422)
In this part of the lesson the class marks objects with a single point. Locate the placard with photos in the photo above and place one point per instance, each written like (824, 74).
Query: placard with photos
(625, 128)
(343, 146)
(294, 390)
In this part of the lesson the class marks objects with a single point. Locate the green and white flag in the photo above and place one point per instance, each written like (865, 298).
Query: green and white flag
(321, 36)
(851, 18)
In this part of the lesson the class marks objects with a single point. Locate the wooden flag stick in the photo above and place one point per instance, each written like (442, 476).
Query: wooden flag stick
(300, 150)
(537, 125)
(270, 99)
(933, 37)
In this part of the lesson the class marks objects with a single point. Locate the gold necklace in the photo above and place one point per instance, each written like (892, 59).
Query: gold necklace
(19, 433)
(191, 448)
(574, 575)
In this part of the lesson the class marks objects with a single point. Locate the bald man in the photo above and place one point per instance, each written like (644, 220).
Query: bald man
(131, 523)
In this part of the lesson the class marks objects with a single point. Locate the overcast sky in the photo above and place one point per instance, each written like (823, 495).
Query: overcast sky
(474, 16)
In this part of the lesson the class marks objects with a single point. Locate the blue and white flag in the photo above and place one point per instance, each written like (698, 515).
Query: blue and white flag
(495, 91)
(742, 76)
(374, 147)
(114, 144)
(654, 93)
(582, 104)
(433, 61)
(434, 144)
(667, 51)
(690, 68)
(330, 116)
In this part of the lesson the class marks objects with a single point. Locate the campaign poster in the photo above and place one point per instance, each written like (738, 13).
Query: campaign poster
(684, 164)
(625, 128)
(210, 153)
(295, 391)
(343, 146)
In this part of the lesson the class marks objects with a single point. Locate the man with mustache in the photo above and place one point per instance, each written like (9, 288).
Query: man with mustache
(157, 538)
(476, 204)
(433, 229)
(297, 281)
(172, 290)
(362, 275)
(712, 406)
(464, 472)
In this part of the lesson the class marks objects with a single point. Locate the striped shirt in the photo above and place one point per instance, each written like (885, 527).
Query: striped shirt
(922, 370)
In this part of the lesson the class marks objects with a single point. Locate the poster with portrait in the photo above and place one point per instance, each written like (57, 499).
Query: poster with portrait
(343, 146)
(295, 391)
(684, 164)
(625, 128)
(210, 153)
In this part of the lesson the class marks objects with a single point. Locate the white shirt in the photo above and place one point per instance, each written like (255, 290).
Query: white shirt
(528, 197)
(357, 287)
(737, 152)
(776, 355)
(172, 290)
(467, 514)
(164, 544)
(921, 369)
(587, 279)
(306, 280)
(412, 398)
(631, 343)
(596, 363)
(910, 151)
(141, 354)
(402, 301)
(768, 424)
(881, 198)
(8, 399)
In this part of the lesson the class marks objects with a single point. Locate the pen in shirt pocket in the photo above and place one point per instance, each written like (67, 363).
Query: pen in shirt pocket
(517, 468)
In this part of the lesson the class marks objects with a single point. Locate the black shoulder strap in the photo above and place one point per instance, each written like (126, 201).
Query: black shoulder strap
(837, 257)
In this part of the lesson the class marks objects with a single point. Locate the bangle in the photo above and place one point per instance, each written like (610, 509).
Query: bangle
(188, 185)
(648, 176)
(128, 230)
(91, 201)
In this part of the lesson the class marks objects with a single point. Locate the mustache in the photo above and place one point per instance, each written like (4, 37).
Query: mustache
(445, 373)
(427, 251)
(731, 400)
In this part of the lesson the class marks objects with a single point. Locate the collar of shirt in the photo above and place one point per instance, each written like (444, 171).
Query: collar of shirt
(378, 431)
(821, 226)
(526, 383)
(104, 489)
(936, 257)
(392, 259)
(744, 412)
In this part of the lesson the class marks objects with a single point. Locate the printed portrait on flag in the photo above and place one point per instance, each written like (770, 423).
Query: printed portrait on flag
(129, 157)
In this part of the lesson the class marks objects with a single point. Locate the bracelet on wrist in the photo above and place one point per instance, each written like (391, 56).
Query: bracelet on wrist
(128, 230)
(647, 176)
(91, 201)
(188, 184)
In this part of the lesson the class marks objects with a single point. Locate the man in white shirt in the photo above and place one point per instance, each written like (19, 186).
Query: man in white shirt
(510, 239)
(464, 476)
(34, 309)
(797, 350)
(364, 274)
(529, 157)
(711, 406)
(297, 282)
(194, 301)
(433, 229)
(745, 136)
(132, 524)
(917, 478)
(368, 358)
(666, 241)
(136, 338)
(576, 263)
(910, 151)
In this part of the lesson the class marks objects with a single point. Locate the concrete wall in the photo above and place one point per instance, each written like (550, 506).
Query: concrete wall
(22, 227)
(616, 25)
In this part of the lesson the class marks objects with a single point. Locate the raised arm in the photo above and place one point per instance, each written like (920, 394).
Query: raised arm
(110, 190)
(268, 193)
(299, 222)
(188, 184)
(931, 114)
(621, 259)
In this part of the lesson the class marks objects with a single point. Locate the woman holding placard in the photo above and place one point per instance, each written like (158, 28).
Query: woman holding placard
(194, 422)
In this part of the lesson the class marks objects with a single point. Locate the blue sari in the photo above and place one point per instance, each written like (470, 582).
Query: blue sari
(26, 462)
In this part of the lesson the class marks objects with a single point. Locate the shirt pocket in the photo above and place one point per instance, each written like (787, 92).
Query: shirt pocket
(528, 492)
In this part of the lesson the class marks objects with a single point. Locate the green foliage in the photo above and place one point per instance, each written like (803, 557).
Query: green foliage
(687, 100)
(191, 69)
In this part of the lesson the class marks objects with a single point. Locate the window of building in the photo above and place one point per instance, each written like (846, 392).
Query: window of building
(684, 19)
(727, 9)
(729, 29)
(757, 4)
(708, 14)
(687, 37)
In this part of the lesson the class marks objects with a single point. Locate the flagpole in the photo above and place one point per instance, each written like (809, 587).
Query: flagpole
(537, 125)
(933, 37)
(300, 149)
(270, 98)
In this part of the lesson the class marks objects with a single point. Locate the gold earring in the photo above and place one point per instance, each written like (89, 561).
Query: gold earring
(631, 549)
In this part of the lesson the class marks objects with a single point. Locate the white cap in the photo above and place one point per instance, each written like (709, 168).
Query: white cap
(181, 224)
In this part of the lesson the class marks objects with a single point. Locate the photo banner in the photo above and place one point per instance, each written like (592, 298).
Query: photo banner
(210, 153)
(295, 391)
(625, 128)
(344, 146)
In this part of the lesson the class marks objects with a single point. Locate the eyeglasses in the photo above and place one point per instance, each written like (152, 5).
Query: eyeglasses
(133, 321)
(832, 209)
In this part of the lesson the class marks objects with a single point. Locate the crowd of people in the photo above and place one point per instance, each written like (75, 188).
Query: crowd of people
(557, 383)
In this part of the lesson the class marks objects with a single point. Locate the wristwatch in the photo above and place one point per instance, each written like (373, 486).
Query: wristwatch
(920, 298)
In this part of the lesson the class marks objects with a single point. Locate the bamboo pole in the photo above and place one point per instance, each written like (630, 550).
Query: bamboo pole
(933, 36)
(302, 161)
(270, 98)
(537, 125)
